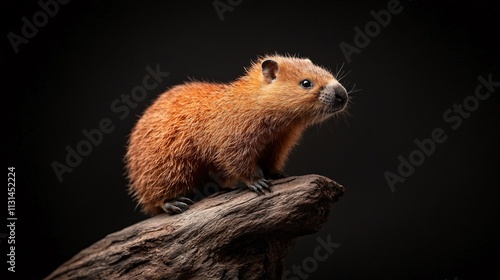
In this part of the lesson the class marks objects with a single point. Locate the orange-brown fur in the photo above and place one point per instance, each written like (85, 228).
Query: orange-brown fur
(230, 129)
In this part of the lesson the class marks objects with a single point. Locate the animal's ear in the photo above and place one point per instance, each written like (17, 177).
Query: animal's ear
(269, 70)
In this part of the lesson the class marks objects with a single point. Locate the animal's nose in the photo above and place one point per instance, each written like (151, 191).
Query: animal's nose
(340, 94)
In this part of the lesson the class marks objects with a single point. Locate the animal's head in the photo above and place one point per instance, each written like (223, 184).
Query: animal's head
(298, 87)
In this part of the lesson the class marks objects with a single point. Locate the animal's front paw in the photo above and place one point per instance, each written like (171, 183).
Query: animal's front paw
(260, 185)
(177, 205)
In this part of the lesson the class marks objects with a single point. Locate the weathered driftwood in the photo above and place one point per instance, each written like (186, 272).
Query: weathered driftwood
(229, 235)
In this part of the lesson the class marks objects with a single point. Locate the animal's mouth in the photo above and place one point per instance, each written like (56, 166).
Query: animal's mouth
(337, 107)
(329, 111)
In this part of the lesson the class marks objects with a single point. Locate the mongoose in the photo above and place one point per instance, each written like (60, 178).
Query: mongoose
(243, 130)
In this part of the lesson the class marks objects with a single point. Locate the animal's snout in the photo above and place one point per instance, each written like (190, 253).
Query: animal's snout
(335, 96)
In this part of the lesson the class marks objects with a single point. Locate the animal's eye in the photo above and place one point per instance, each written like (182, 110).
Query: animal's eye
(306, 83)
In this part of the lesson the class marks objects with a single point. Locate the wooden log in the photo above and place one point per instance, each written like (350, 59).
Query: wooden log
(235, 234)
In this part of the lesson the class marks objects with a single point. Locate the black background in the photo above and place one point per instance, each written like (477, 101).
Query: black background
(441, 223)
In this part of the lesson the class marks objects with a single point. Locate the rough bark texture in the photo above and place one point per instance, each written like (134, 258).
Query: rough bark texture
(229, 235)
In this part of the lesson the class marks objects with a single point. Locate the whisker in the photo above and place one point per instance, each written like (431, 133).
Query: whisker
(339, 71)
(344, 75)
(353, 89)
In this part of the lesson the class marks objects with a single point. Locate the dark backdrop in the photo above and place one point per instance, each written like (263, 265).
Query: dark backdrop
(442, 222)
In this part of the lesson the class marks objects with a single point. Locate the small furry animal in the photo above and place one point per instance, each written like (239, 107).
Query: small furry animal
(243, 130)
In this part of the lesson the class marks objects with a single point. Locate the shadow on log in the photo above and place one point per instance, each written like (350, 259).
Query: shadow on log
(229, 235)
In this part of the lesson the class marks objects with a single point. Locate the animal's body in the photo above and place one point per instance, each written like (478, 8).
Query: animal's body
(243, 130)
